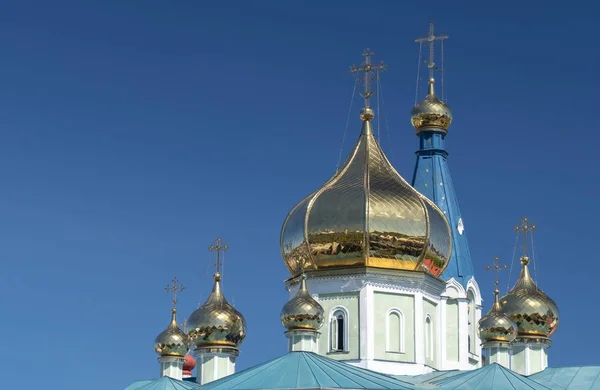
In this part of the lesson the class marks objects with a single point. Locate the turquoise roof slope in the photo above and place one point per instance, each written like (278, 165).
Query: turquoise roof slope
(163, 383)
(569, 378)
(306, 370)
(426, 378)
(492, 377)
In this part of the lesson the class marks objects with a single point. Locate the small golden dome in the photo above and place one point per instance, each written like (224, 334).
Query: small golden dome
(302, 311)
(535, 313)
(216, 323)
(366, 215)
(431, 113)
(172, 341)
(495, 326)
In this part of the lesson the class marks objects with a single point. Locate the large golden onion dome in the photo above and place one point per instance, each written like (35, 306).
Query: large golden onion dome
(431, 113)
(366, 215)
(495, 326)
(535, 313)
(302, 311)
(216, 323)
(172, 341)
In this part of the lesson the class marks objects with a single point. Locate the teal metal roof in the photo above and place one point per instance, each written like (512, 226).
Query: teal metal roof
(426, 378)
(306, 370)
(569, 378)
(163, 383)
(492, 377)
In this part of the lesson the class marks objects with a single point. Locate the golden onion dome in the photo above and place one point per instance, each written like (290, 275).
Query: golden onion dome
(535, 313)
(302, 311)
(431, 113)
(366, 215)
(172, 341)
(216, 323)
(495, 326)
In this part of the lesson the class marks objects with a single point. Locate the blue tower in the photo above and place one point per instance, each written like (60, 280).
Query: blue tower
(431, 119)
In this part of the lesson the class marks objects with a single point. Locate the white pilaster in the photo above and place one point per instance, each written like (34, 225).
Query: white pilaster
(367, 323)
(419, 327)
(214, 363)
(443, 329)
(171, 366)
(463, 333)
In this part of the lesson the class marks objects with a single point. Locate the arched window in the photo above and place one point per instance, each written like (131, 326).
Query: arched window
(338, 330)
(428, 338)
(395, 331)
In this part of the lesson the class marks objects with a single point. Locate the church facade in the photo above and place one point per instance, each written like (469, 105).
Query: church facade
(382, 292)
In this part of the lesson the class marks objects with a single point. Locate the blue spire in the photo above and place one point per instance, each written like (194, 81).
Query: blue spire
(431, 118)
(432, 179)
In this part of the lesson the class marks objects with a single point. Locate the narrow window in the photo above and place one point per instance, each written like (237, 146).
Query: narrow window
(338, 331)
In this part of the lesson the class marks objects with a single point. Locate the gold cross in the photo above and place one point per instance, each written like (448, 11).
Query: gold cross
(431, 38)
(184, 325)
(218, 246)
(497, 268)
(525, 228)
(367, 68)
(175, 287)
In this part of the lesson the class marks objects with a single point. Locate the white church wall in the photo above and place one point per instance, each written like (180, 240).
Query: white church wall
(387, 347)
(347, 304)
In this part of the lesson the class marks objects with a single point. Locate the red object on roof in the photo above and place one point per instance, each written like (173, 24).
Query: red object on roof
(188, 366)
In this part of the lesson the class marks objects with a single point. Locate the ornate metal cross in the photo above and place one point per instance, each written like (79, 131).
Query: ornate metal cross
(367, 68)
(497, 268)
(525, 228)
(174, 288)
(431, 38)
(218, 246)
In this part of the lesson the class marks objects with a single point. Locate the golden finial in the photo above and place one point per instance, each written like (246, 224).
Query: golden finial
(175, 287)
(430, 39)
(218, 246)
(497, 268)
(367, 68)
(525, 228)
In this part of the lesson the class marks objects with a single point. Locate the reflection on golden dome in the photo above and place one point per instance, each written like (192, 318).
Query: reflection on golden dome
(302, 311)
(216, 323)
(535, 313)
(172, 341)
(366, 215)
(495, 326)
(431, 113)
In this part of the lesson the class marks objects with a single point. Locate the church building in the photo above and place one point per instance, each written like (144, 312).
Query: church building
(382, 291)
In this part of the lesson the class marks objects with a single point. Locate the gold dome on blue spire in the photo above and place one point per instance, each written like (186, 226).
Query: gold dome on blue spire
(302, 311)
(366, 215)
(431, 113)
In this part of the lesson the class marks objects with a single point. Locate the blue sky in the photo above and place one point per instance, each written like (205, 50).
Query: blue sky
(132, 134)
